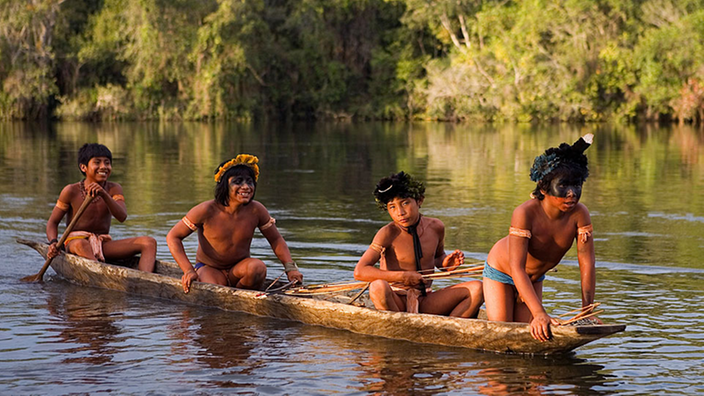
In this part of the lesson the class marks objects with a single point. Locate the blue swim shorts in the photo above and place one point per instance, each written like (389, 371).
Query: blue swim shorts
(494, 274)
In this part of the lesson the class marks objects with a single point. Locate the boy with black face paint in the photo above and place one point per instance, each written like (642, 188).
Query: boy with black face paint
(225, 227)
(542, 231)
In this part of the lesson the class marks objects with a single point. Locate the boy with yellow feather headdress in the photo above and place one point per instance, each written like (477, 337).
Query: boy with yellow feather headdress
(225, 227)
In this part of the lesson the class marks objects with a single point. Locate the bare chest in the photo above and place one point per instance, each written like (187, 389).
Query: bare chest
(552, 239)
(227, 228)
(96, 218)
(400, 256)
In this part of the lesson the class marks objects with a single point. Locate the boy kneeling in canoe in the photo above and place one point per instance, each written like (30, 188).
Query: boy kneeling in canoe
(225, 228)
(542, 231)
(408, 247)
(90, 238)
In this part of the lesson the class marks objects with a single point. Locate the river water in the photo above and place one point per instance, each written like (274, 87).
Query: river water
(645, 194)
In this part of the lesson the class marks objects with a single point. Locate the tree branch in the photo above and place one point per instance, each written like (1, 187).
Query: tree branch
(448, 28)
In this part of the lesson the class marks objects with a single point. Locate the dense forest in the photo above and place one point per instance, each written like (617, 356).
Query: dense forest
(479, 60)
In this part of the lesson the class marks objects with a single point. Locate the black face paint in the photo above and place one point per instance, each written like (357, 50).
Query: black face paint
(562, 186)
(242, 180)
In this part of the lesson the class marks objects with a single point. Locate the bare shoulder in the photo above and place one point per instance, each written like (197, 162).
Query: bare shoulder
(201, 212)
(386, 235)
(259, 210)
(524, 213)
(69, 191)
(435, 224)
(113, 188)
(527, 206)
(581, 215)
(257, 206)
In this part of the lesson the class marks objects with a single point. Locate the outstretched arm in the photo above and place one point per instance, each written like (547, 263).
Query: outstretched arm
(586, 258)
(518, 255)
(268, 228)
(174, 239)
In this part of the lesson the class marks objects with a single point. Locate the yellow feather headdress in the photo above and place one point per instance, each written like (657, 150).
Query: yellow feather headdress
(242, 159)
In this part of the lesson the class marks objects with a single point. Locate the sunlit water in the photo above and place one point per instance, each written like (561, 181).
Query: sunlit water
(644, 194)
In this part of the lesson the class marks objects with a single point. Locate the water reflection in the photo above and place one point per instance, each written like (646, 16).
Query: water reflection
(644, 194)
(541, 376)
(87, 324)
(225, 339)
(385, 372)
(384, 366)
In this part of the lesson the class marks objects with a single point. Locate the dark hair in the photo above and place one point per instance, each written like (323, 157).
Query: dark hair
(222, 188)
(92, 150)
(399, 185)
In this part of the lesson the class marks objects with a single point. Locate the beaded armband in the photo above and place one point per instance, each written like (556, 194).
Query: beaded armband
(377, 248)
(189, 223)
(519, 232)
(62, 205)
(585, 232)
(268, 224)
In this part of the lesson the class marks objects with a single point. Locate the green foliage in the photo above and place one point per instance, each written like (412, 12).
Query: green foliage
(489, 60)
(26, 66)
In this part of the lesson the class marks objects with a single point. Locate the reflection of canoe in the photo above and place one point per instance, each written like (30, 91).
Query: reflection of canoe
(469, 333)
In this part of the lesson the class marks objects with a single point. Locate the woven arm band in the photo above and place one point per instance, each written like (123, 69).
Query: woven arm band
(519, 232)
(288, 267)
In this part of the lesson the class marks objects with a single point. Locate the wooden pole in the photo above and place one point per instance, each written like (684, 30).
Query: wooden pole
(38, 276)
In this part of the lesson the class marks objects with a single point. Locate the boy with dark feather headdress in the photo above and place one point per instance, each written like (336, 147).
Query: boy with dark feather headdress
(542, 231)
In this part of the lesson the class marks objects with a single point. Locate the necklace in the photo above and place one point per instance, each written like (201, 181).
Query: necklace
(82, 187)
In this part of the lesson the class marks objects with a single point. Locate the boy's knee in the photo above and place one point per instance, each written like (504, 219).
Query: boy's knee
(476, 287)
(378, 286)
(257, 268)
(379, 293)
(147, 242)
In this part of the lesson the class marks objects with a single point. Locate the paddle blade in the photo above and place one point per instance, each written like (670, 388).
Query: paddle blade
(32, 278)
(39, 275)
(69, 228)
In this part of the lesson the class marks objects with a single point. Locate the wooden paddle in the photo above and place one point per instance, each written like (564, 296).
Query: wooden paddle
(40, 274)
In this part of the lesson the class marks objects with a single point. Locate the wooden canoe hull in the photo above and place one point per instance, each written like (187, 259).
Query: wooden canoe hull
(502, 337)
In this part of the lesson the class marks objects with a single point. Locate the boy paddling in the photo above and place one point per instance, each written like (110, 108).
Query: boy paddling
(542, 231)
(91, 237)
(225, 227)
(408, 247)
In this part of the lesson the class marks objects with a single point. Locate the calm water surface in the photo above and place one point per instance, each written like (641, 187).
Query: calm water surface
(644, 193)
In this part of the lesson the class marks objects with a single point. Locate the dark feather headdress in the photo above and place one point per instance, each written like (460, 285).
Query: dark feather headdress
(572, 156)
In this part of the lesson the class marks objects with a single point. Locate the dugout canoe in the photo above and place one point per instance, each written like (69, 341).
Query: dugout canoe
(479, 334)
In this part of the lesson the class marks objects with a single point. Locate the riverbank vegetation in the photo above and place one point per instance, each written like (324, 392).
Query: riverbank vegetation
(478, 60)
